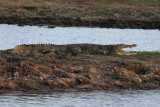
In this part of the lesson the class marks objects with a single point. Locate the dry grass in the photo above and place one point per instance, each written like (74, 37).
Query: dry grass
(84, 3)
(87, 10)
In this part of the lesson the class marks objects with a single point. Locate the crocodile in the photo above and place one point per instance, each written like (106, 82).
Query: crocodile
(74, 48)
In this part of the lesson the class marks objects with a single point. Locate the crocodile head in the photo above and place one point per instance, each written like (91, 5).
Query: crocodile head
(118, 49)
(122, 46)
(121, 49)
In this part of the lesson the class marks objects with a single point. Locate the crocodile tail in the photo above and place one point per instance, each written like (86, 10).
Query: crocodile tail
(18, 48)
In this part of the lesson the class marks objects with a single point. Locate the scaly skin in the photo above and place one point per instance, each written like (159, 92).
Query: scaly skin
(74, 48)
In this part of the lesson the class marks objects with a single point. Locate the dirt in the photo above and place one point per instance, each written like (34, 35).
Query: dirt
(43, 72)
(80, 13)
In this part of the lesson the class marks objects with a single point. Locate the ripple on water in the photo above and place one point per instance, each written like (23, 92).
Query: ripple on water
(120, 98)
(12, 35)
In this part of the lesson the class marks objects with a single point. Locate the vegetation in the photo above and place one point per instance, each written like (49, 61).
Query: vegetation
(121, 13)
(133, 2)
(148, 54)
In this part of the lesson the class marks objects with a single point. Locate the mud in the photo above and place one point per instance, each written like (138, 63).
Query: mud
(77, 21)
(44, 72)
(74, 13)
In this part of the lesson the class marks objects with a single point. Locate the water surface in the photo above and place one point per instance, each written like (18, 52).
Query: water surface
(119, 98)
(12, 35)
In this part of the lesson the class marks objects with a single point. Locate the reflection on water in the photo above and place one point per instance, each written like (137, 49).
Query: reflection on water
(121, 98)
(12, 35)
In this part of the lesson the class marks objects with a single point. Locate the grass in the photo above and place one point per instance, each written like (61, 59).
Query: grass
(6, 53)
(147, 54)
(132, 2)
(86, 9)
(95, 10)
(135, 62)
(30, 54)
(33, 82)
(94, 2)
(144, 2)
(139, 2)
(143, 54)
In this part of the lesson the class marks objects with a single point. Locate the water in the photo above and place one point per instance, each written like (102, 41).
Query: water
(12, 35)
(119, 98)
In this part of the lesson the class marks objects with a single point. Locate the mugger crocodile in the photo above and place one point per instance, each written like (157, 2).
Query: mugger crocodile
(74, 49)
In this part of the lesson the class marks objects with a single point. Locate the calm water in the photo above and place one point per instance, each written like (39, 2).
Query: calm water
(12, 35)
(122, 98)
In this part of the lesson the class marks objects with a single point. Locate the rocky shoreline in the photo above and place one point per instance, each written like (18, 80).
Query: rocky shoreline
(44, 72)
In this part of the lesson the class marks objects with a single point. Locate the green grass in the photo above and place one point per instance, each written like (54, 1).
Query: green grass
(144, 2)
(139, 55)
(147, 54)
(132, 2)
(97, 11)
(33, 82)
(6, 53)
(135, 2)
(143, 54)
(135, 62)
(30, 54)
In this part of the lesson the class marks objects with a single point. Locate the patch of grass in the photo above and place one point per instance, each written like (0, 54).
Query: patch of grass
(122, 11)
(80, 56)
(136, 81)
(144, 2)
(97, 11)
(116, 55)
(143, 54)
(49, 55)
(90, 55)
(48, 9)
(30, 54)
(33, 82)
(135, 62)
(6, 53)
(133, 2)
(147, 54)
(39, 61)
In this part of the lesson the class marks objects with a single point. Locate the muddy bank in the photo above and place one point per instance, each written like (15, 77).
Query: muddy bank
(43, 72)
(92, 13)
(78, 21)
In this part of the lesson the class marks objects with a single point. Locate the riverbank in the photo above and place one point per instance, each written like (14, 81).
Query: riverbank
(118, 14)
(44, 72)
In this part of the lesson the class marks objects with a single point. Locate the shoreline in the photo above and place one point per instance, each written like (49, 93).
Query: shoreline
(107, 14)
(78, 22)
(84, 72)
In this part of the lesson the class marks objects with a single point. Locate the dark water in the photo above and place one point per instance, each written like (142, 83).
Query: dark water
(119, 98)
